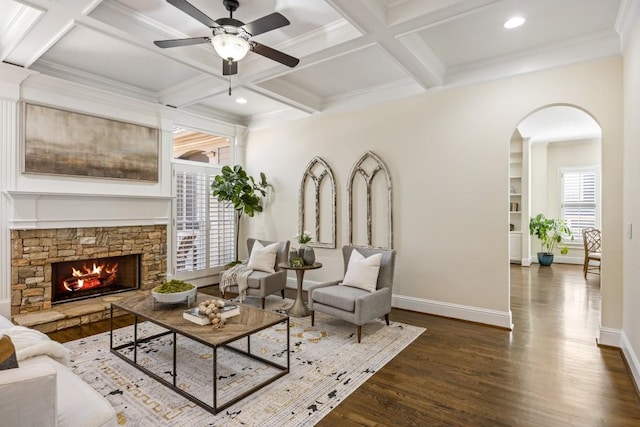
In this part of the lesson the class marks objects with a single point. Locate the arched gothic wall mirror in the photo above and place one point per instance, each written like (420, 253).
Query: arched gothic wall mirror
(370, 203)
(317, 204)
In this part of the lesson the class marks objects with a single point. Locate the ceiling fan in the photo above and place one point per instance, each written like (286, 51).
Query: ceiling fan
(231, 38)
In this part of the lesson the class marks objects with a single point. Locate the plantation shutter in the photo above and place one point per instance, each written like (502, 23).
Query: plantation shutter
(204, 228)
(191, 221)
(222, 231)
(579, 199)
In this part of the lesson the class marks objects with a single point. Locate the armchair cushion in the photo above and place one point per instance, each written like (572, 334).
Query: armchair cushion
(362, 272)
(256, 278)
(342, 297)
(263, 258)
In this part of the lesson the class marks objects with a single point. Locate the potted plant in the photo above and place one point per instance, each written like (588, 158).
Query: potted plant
(302, 239)
(305, 252)
(235, 186)
(550, 231)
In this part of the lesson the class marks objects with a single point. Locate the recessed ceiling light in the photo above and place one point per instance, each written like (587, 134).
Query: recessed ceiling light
(241, 100)
(514, 22)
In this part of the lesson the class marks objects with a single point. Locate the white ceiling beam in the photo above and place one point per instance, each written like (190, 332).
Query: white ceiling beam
(21, 19)
(624, 20)
(57, 20)
(581, 49)
(288, 94)
(370, 19)
(190, 91)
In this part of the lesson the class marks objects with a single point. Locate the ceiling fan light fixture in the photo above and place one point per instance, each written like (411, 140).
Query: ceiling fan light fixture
(230, 46)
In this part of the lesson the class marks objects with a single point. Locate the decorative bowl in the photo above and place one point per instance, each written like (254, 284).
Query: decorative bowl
(188, 296)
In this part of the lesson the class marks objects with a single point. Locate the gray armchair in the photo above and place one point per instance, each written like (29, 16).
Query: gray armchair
(261, 283)
(355, 305)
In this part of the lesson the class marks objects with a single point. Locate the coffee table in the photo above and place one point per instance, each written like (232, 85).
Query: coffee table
(250, 321)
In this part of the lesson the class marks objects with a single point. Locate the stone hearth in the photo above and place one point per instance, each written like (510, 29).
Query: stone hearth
(33, 251)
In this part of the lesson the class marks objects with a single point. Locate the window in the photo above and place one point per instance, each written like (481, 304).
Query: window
(579, 199)
(203, 228)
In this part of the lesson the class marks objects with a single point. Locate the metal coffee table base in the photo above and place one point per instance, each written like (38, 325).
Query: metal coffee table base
(215, 408)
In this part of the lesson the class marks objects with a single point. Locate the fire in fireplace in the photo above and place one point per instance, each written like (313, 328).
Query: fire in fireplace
(73, 280)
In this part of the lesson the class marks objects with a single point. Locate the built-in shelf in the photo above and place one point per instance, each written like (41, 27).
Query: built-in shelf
(516, 197)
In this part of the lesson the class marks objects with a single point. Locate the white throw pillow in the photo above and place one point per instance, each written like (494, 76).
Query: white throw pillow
(263, 258)
(362, 272)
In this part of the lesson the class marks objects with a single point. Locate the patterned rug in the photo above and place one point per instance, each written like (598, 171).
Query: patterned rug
(327, 364)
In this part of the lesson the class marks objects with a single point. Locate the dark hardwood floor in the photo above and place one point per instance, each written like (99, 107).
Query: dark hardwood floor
(548, 371)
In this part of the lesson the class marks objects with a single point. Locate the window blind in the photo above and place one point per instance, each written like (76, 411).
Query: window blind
(204, 228)
(222, 231)
(579, 200)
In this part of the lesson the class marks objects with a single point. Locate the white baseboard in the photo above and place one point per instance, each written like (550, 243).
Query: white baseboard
(632, 359)
(501, 319)
(456, 311)
(611, 337)
(559, 259)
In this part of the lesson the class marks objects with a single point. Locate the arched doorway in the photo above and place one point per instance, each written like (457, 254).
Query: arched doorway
(557, 142)
(555, 169)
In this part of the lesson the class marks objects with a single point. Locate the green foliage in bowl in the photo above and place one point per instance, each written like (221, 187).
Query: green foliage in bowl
(173, 286)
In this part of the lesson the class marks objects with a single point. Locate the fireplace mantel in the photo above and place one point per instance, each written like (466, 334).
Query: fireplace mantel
(40, 210)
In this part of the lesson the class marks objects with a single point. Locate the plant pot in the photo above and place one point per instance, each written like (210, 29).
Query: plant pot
(301, 249)
(545, 259)
(309, 256)
(293, 253)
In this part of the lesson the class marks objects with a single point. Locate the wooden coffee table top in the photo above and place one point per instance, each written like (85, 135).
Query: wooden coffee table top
(250, 320)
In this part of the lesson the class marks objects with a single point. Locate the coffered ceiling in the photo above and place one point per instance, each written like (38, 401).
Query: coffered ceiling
(352, 52)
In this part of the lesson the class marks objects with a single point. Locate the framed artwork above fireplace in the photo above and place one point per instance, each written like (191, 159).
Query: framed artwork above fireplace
(60, 142)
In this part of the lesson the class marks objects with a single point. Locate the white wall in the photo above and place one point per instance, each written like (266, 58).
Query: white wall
(631, 323)
(448, 155)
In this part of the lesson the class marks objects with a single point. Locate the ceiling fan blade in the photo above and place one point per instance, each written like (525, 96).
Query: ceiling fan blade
(194, 12)
(276, 55)
(181, 42)
(229, 68)
(266, 23)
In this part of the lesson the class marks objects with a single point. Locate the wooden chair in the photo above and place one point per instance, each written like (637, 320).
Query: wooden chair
(592, 250)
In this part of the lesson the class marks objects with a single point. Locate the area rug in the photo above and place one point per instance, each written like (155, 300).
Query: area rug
(327, 364)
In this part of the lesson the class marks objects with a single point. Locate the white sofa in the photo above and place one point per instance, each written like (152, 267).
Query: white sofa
(43, 392)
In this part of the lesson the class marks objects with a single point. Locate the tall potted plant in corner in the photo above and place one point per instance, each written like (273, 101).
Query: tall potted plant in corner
(550, 232)
(236, 187)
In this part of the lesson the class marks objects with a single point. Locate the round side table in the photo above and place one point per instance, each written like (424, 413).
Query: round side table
(299, 308)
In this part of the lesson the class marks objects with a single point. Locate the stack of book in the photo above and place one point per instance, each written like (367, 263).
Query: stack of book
(194, 315)
(228, 311)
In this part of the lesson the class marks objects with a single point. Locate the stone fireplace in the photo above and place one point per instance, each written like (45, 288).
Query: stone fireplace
(42, 261)
(74, 280)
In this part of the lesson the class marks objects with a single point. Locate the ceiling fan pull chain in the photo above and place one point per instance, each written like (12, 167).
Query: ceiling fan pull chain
(229, 84)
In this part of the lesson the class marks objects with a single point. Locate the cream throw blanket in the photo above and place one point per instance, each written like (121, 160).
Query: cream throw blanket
(29, 343)
(236, 276)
